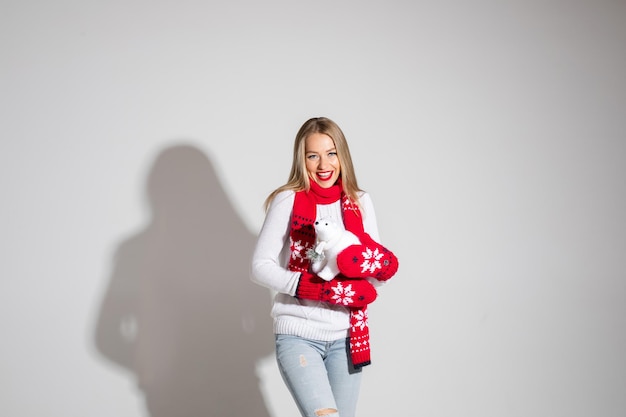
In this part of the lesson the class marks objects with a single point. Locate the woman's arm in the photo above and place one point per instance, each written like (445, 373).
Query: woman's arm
(268, 269)
(380, 265)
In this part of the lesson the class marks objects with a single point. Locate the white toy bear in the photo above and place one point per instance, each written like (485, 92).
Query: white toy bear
(331, 240)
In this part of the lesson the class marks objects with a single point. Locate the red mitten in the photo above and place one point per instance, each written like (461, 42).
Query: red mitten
(339, 290)
(369, 259)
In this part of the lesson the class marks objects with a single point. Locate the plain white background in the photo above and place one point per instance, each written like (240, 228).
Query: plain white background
(491, 135)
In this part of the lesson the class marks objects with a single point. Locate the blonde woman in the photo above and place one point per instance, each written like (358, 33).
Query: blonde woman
(322, 338)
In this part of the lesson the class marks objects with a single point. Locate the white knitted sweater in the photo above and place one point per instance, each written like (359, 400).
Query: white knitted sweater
(298, 317)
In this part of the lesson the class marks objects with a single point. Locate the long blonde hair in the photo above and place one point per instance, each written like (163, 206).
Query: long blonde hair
(299, 178)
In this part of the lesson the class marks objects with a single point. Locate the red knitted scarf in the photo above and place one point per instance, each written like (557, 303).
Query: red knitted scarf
(302, 238)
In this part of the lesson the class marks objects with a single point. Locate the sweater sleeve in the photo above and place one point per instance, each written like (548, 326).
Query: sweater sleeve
(270, 256)
(370, 224)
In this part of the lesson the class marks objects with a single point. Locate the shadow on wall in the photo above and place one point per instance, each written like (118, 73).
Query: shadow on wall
(180, 311)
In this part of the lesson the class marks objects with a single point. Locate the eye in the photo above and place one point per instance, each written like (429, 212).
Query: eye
(311, 157)
(333, 154)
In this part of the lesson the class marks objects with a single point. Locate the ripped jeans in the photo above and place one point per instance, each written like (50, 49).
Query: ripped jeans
(319, 375)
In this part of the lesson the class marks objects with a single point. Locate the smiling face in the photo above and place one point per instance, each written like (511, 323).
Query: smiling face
(322, 163)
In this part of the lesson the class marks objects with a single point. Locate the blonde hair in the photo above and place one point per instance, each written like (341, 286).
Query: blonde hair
(299, 178)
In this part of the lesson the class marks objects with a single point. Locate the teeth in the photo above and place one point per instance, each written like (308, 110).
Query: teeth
(324, 175)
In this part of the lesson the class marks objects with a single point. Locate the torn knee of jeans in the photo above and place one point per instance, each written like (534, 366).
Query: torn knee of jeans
(325, 411)
(303, 361)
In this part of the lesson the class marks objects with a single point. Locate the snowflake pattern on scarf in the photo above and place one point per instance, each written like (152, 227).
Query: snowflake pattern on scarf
(359, 319)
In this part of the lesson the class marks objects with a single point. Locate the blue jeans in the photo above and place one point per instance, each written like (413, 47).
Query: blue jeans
(319, 375)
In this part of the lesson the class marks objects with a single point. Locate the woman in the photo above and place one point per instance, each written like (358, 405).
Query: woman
(322, 339)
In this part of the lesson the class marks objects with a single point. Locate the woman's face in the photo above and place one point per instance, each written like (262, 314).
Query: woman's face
(321, 159)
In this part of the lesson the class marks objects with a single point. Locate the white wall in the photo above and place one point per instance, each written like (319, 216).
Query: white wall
(139, 139)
